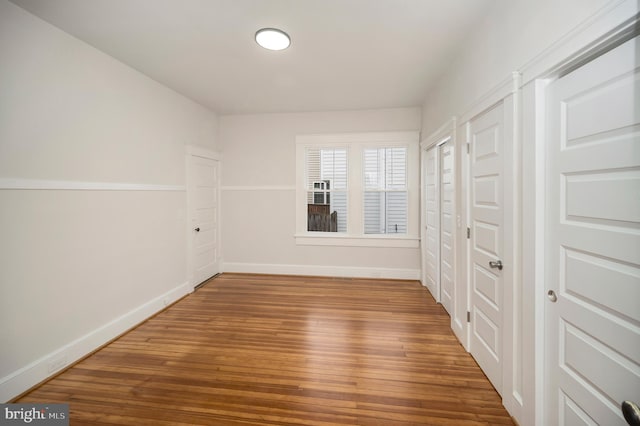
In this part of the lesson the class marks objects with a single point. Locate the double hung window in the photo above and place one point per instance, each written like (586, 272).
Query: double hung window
(326, 181)
(357, 189)
(385, 190)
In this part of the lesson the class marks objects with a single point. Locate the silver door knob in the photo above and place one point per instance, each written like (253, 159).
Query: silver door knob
(552, 296)
(496, 264)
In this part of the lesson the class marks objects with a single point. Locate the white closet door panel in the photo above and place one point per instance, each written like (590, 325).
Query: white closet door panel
(432, 220)
(487, 223)
(592, 319)
(446, 226)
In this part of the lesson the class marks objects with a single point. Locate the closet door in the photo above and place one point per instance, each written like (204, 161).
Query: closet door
(432, 221)
(445, 153)
(202, 193)
(487, 207)
(592, 281)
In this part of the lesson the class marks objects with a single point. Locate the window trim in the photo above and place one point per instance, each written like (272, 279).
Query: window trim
(355, 144)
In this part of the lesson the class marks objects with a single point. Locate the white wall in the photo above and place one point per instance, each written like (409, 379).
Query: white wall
(258, 197)
(512, 34)
(79, 266)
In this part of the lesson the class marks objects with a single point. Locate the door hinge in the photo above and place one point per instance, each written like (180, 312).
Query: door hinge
(468, 232)
(468, 316)
(468, 144)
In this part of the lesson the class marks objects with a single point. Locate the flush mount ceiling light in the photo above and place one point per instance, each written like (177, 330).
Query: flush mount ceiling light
(272, 39)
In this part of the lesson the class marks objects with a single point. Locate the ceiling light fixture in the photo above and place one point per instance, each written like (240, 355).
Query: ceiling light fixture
(273, 39)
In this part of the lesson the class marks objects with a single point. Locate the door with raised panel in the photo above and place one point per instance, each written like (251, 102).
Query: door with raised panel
(592, 279)
(486, 242)
(432, 232)
(203, 211)
(446, 195)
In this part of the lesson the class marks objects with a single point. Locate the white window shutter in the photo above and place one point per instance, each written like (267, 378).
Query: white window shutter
(385, 196)
(326, 181)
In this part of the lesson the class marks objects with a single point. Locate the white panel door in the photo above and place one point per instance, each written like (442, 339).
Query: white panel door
(592, 313)
(446, 225)
(203, 202)
(487, 229)
(432, 258)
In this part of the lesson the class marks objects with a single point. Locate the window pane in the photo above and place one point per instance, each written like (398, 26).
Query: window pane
(385, 212)
(396, 168)
(329, 216)
(339, 205)
(372, 172)
(385, 168)
(373, 219)
(326, 184)
(326, 167)
(385, 196)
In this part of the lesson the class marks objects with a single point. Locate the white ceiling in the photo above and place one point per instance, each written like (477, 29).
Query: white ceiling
(345, 54)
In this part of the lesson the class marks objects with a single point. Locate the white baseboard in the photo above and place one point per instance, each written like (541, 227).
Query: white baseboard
(30, 375)
(324, 271)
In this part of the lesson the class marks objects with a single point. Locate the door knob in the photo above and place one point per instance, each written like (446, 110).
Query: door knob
(197, 229)
(631, 413)
(552, 296)
(497, 264)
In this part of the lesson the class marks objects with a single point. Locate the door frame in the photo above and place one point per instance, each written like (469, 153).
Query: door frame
(534, 184)
(197, 151)
(595, 36)
(590, 68)
(508, 93)
(435, 292)
(441, 223)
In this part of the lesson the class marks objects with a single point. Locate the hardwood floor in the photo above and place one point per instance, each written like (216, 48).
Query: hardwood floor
(275, 350)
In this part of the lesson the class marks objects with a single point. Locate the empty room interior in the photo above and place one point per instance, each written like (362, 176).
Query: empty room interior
(318, 212)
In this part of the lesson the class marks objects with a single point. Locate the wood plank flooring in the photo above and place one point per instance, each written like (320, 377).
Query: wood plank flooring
(276, 350)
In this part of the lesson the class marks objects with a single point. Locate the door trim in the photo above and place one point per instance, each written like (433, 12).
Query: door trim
(197, 151)
(490, 355)
(598, 35)
(597, 49)
(508, 93)
(435, 292)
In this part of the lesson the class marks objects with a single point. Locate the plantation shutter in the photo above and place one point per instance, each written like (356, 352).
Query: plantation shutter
(385, 195)
(326, 183)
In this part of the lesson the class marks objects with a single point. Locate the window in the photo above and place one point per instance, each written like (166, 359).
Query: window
(326, 177)
(385, 190)
(357, 189)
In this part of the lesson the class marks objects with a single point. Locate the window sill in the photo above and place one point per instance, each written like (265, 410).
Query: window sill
(331, 239)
